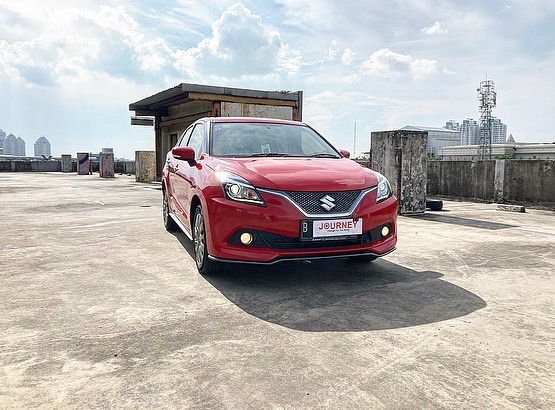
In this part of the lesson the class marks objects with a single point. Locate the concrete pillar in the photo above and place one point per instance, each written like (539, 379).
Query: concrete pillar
(66, 163)
(83, 163)
(145, 166)
(160, 146)
(106, 165)
(401, 157)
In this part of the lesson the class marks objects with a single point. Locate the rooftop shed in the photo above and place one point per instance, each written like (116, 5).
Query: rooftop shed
(171, 111)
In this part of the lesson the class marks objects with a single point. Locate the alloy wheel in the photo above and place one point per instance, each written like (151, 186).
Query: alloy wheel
(165, 210)
(199, 239)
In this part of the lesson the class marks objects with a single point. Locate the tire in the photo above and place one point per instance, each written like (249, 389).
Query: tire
(169, 223)
(434, 205)
(205, 265)
(362, 258)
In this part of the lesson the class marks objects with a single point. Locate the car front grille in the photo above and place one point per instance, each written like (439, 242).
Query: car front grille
(315, 202)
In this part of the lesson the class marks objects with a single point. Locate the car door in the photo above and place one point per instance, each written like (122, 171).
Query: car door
(185, 173)
(174, 181)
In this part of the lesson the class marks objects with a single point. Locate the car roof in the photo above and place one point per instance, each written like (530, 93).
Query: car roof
(253, 120)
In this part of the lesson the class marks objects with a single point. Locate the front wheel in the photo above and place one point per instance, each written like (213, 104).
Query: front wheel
(205, 265)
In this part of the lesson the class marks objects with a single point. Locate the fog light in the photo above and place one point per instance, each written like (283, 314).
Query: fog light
(246, 238)
(385, 231)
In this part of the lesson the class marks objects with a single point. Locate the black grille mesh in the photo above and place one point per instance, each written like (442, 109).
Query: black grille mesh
(310, 202)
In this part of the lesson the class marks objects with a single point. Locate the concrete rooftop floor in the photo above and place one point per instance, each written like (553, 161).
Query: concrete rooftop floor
(102, 308)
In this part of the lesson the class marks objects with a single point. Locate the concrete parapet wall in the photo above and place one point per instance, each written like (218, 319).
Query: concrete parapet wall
(461, 179)
(530, 181)
(124, 167)
(56, 165)
(30, 166)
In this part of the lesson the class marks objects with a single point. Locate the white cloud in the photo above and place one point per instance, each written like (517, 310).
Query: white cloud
(91, 61)
(240, 46)
(333, 51)
(437, 28)
(309, 14)
(81, 43)
(347, 57)
(388, 64)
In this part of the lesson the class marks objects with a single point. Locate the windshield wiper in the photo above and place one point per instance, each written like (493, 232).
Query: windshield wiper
(270, 154)
(324, 155)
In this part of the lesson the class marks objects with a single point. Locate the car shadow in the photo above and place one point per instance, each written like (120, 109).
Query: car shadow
(342, 296)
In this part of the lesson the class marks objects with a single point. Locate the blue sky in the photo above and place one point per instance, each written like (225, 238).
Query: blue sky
(69, 69)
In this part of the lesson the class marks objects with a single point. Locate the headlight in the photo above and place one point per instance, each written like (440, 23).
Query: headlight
(239, 189)
(384, 189)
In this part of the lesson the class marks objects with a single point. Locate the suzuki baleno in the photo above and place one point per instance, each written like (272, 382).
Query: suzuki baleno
(256, 190)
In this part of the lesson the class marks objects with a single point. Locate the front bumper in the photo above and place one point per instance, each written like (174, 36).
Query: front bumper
(276, 229)
(303, 258)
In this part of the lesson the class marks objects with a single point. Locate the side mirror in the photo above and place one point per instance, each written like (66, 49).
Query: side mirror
(345, 153)
(184, 154)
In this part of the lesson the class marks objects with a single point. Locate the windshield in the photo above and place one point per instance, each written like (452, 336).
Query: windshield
(272, 140)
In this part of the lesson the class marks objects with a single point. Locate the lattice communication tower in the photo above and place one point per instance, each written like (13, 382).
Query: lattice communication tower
(487, 98)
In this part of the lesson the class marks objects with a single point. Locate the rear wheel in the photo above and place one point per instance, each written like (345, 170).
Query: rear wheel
(169, 223)
(205, 265)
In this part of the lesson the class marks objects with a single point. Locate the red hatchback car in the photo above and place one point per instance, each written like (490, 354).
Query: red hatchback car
(258, 190)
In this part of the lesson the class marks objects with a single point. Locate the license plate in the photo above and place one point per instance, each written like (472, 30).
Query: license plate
(329, 229)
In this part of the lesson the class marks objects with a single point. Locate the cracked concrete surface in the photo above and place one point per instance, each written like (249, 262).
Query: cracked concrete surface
(102, 308)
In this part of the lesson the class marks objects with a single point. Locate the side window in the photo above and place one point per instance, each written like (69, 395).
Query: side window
(185, 137)
(196, 140)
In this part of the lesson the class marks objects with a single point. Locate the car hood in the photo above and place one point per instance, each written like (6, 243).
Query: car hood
(299, 174)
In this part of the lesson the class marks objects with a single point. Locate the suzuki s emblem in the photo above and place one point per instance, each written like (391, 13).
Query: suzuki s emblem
(327, 202)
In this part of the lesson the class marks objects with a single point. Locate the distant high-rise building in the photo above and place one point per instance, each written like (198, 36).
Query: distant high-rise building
(498, 131)
(20, 150)
(14, 145)
(42, 147)
(470, 132)
(9, 144)
(452, 125)
(2, 138)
